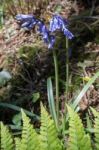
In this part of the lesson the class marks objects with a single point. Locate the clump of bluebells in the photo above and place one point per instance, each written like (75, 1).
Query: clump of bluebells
(56, 23)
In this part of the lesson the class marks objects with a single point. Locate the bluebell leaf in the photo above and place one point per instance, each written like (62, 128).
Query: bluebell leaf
(59, 23)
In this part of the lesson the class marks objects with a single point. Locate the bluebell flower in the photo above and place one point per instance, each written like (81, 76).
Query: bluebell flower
(43, 31)
(52, 41)
(27, 21)
(59, 23)
(47, 37)
(23, 17)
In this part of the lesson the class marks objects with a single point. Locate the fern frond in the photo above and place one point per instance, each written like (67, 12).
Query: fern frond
(48, 133)
(95, 113)
(30, 139)
(6, 138)
(17, 143)
(78, 140)
(96, 128)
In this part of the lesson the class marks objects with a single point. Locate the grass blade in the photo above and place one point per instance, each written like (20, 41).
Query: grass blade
(84, 90)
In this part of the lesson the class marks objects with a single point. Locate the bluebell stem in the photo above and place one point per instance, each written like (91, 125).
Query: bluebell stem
(59, 23)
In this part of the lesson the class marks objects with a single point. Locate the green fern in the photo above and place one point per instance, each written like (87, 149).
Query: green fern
(78, 140)
(48, 139)
(30, 139)
(96, 128)
(48, 133)
(17, 143)
(6, 138)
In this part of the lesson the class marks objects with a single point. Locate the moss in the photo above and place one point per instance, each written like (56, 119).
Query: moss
(27, 53)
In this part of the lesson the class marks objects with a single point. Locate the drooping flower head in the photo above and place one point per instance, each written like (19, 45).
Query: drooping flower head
(59, 23)
(47, 37)
(56, 23)
(27, 21)
(23, 17)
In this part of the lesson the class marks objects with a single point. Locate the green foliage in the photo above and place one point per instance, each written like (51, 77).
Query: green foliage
(17, 143)
(78, 139)
(48, 133)
(96, 128)
(35, 97)
(17, 108)
(6, 138)
(47, 138)
(30, 139)
(84, 90)
(51, 100)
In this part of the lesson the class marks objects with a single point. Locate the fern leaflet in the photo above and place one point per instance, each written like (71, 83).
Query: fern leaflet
(30, 139)
(6, 138)
(48, 133)
(78, 140)
(96, 128)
